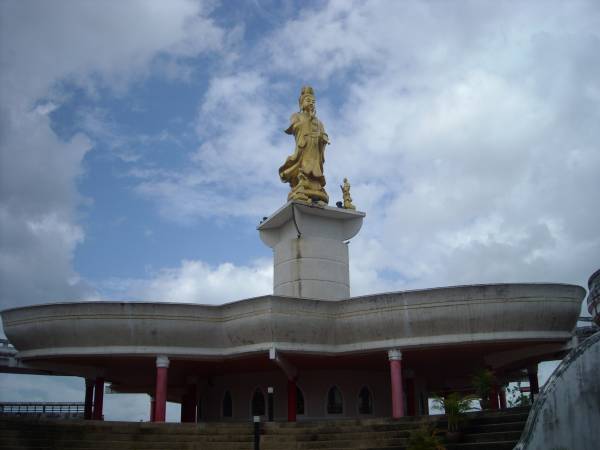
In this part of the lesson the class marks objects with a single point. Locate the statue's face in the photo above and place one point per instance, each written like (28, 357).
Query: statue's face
(308, 104)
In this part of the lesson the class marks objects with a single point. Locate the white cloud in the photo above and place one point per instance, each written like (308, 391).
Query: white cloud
(234, 170)
(469, 134)
(43, 45)
(198, 282)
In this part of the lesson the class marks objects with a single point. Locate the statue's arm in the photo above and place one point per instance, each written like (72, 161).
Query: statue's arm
(293, 121)
(324, 135)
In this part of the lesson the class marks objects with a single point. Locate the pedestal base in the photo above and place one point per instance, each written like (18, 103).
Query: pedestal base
(310, 253)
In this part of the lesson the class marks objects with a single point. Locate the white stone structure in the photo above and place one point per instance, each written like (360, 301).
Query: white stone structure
(325, 354)
(566, 414)
(310, 249)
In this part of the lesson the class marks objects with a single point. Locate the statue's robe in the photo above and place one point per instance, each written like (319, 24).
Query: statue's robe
(309, 154)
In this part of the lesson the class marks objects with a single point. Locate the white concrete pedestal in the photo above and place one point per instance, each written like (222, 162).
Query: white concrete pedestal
(310, 256)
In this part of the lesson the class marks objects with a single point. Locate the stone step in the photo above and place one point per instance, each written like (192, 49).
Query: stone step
(495, 445)
(494, 427)
(492, 437)
(139, 437)
(171, 429)
(356, 434)
(347, 444)
(123, 445)
(483, 431)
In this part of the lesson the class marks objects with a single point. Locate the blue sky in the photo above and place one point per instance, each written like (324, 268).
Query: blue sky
(141, 141)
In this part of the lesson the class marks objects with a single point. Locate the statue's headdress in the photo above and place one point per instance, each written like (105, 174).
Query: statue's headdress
(306, 90)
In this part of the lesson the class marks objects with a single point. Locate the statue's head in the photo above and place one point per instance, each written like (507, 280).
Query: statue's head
(307, 100)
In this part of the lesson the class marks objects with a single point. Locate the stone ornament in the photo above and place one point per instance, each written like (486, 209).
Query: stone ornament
(303, 170)
(346, 195)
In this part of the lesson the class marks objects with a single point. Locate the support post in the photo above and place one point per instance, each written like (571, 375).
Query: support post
(98, 399)
(152, 408)
(395, 358)
(256, 432)
(502, 397)
(410, 396)
(89, 399)
(292, 400)
(160, 409)
(188, 404)
(270, 403)
(494, 398)
(534, 387)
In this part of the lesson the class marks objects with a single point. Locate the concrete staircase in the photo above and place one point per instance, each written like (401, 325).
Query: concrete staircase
(484, 431)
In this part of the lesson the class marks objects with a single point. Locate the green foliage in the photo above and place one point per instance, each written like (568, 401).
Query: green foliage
(455, 407)
(483, 381)
(424, 438)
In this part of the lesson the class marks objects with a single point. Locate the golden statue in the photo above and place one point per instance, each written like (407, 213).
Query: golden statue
(304, 169)
(346, 195)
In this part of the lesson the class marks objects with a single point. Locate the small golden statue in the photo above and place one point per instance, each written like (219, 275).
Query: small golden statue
(346, 195)
(304, 168)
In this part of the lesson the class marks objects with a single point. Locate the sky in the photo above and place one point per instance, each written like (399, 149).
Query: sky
(140, 143)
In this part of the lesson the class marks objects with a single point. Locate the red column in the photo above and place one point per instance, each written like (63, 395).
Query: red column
(89, 399)
(188, 405)
(395, 357)
(291, 393)
(185, 412)
(502, 398)
(410, 396)
(160, 398)
(494, 398)
(98, 399)
(534, 387)
(152, 408)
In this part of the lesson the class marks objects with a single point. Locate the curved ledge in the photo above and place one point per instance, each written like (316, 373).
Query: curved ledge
(413, 319)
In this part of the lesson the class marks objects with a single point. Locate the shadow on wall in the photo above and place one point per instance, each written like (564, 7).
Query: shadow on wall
(566, 414)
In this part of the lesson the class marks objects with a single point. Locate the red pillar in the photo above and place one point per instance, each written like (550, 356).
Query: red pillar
(152, 408)
(292, 400)
(98, 399)
(188, 405)
(534, 387)
(89, 399)
(410, 396)
(494, 398)
(395, 357)
(160, 398)
(502, 398)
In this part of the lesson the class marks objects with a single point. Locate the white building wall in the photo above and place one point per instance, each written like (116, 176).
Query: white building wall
(314, 384)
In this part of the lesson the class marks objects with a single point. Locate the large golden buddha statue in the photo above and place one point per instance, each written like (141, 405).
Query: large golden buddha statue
(304, 168)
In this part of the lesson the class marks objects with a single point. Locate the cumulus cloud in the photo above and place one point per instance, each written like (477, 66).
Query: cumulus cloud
(198, 282)
(469, 134)
(44, 46)
(231, 173)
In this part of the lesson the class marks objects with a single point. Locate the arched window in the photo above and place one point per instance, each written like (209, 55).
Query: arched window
(227, 405)
(335, 403)
(258, 403)
(299, 401)
(365, 401)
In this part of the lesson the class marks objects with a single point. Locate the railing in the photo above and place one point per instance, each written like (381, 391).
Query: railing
(44, 409)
